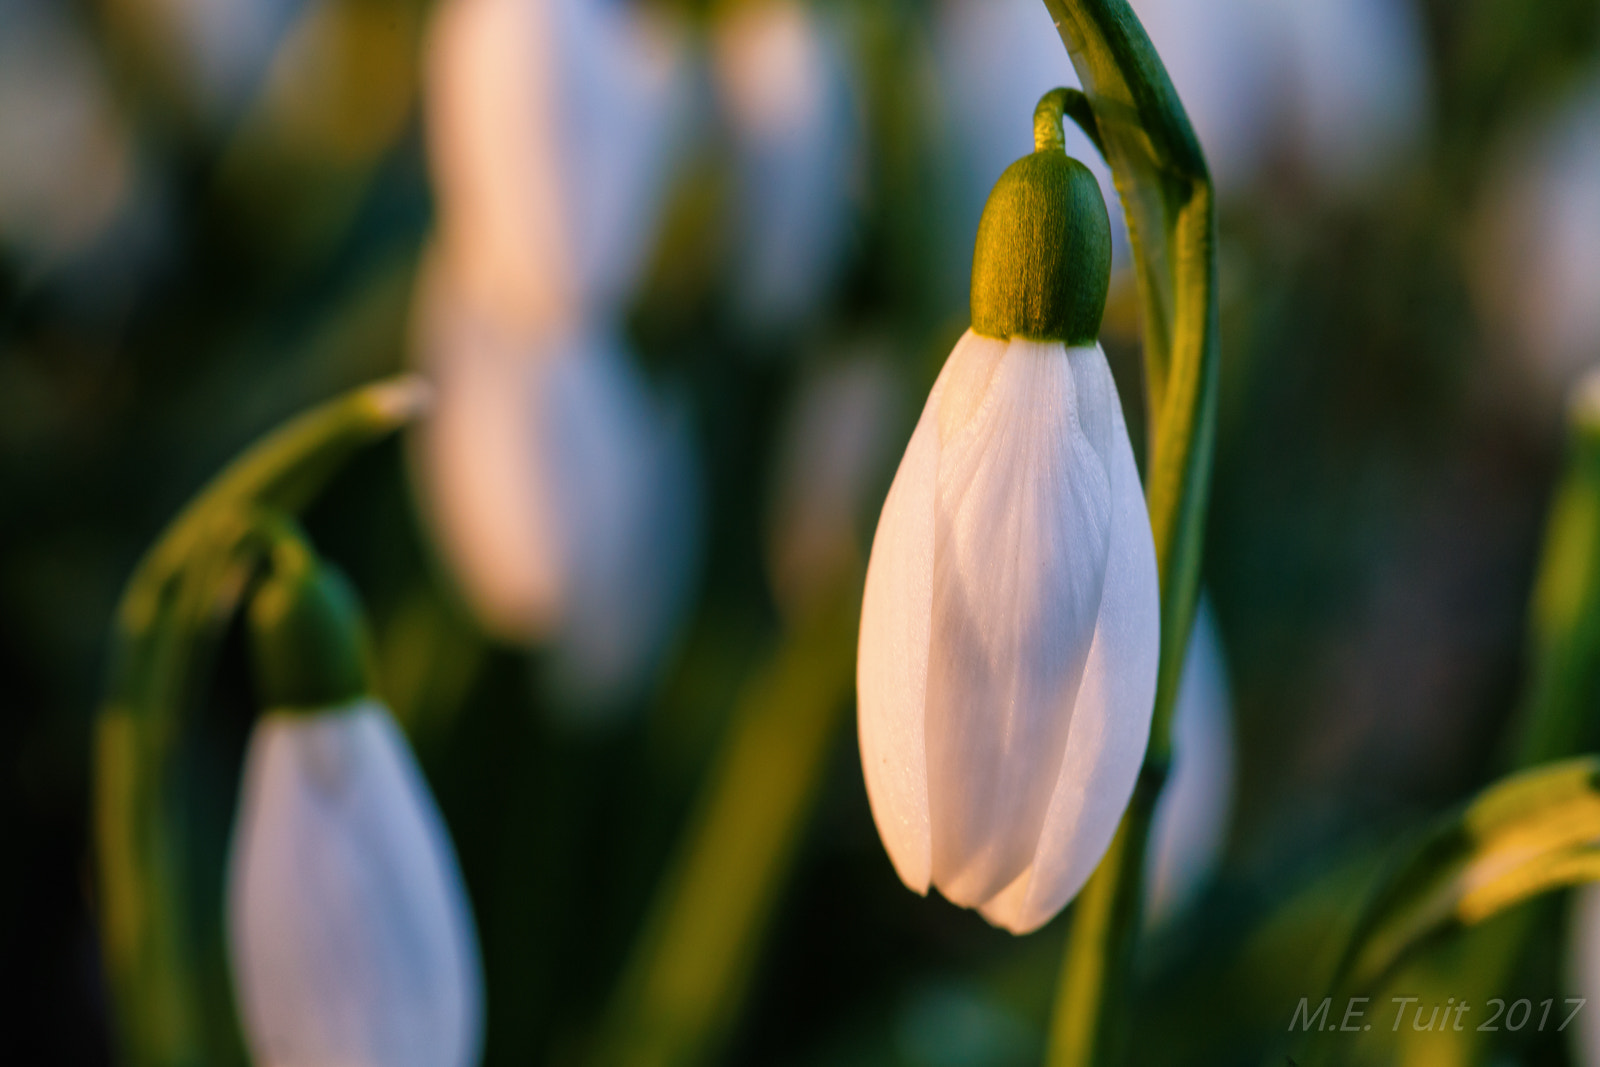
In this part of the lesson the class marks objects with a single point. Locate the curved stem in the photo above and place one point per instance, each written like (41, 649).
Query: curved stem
(1063, 102)
(157, 858)
(1167, 198)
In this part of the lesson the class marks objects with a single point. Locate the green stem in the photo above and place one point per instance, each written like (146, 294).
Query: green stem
(1167, 198)
(1063, 103)
(681, 991)
(157, 863)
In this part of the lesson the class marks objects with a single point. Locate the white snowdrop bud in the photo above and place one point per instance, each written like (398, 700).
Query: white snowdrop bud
(563, 493)
(783, 81)
(1011, 619)
(1190, 825)
(350, 934)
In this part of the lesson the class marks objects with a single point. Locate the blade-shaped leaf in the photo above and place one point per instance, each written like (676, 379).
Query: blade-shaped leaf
(1534, 831)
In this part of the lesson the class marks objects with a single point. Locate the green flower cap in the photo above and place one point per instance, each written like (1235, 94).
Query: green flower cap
(307, 634)
(1042, 264)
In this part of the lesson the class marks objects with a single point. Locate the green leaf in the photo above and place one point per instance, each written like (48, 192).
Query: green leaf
(1529, 833)
(681, 990)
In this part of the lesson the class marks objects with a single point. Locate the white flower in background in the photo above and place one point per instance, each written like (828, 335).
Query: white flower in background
(782, 78)
(834, 448)
(65, 161)
(1009, 632)
(1340, 83)
(1190, 825)
(551, 126)
(1537, 260)
(564, 494)
(350, 934)
(1011, 619)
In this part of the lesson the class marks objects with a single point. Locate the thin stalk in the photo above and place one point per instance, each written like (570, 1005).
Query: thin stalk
(1166, 194)
(681, 990)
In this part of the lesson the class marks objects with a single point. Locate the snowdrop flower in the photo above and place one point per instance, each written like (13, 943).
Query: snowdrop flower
(551, 124)
(1538, 253)
(1011, 622)
(835, 447)
(563, 493)
(782, 78)
(1190, 825)
(350, 934)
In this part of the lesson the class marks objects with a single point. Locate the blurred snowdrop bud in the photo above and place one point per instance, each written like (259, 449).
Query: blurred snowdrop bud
(781, 74)
(1010, 623)
(1537, 258)
(1190, 825)
(563, 493)
(1345, 79)
(350, 934)
(215, 52)
(551, 124)
(835, 446)
(65, 161)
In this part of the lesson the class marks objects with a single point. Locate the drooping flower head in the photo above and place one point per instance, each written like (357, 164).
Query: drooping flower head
(1010, 622)
(349, 932)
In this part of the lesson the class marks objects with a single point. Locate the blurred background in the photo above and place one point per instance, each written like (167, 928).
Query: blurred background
(214, 213)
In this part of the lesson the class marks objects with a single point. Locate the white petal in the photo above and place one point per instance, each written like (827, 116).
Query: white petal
(1022, 531)
(1190, 824)
(350, 934)
(892, 659)
(1110, 722)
